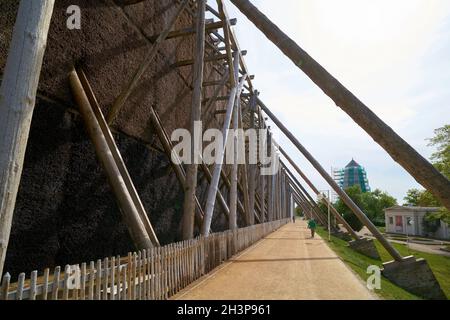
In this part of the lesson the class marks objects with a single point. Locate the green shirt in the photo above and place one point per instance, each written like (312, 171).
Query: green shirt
(312, 224)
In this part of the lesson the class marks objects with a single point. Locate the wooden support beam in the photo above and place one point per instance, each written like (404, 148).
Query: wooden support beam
(219, 88)
(347, 200)
(185, 63)
(148, 59)
(212, 191)
(234, 167)
(295, 183)
(190, 31)
(227, 183)
(217, 112)
(117, 156)
(310, 204)
(196, 117)
(213, 11)
(249, 214)
(220, 98)
(220, 197)
(227, 40)
(128, 209)
(400, 151)
(17, 100)
(179, 170)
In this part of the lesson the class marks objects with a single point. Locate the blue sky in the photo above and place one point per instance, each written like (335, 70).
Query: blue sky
(394, 55)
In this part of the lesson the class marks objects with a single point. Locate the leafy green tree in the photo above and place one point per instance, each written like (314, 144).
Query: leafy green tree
(430, 224)
(355, 194)
(372, 203)
(441, 160)
(412, 197)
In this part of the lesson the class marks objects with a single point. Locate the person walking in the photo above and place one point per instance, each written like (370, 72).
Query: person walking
(312, 225)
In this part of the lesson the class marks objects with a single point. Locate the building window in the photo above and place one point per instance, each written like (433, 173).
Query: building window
(391, 220)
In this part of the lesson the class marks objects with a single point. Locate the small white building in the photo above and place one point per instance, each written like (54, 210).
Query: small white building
(409, 220)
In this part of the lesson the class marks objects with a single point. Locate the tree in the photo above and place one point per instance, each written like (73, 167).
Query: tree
(441, 160)
(412, 197)
(372, 203)
(355, 194)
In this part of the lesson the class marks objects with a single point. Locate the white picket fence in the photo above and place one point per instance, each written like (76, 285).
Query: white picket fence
(154, 274)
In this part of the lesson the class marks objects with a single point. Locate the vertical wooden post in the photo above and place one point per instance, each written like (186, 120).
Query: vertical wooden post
(234, 167)
(17, 100)
(192, 169)
(213, 187)
(244, 173)
(252, 167)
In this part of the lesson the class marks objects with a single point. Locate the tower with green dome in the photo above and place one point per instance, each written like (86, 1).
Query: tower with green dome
(352, 174)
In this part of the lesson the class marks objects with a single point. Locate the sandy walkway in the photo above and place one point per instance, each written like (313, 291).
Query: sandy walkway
(286, 265)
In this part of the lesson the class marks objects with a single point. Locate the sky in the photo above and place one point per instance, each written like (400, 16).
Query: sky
(393, 55)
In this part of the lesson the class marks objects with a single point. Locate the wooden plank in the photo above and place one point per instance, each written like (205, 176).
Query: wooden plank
(165, 268)
(177, 267)
(226, 39)
(112, 279)
(33, 285)
(128, 208)
(196, 117)
(55, 283)
(159, 266)
(5, 287)
(232, 221)
(117, 156)
(23, 66)
(106, 272)
(118, 295)
(133, 273)
(20, 286)
(98, 280)
(91, 281)
(143, 294)
(179, 170)
(190, 31)
(65, 293)
(125, 285)
(76, 290)
(148, 273)
(45, 284)
(153, 271)
(139, 276)
(213, 187)
(83, 276)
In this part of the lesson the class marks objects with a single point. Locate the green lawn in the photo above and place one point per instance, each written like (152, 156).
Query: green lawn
(359, 263)
(382, 229)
